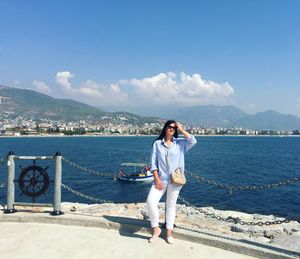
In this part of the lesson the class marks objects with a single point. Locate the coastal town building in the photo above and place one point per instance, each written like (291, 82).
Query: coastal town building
(108, 126)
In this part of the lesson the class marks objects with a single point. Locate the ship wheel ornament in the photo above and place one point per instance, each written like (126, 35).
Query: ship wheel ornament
(34, 181)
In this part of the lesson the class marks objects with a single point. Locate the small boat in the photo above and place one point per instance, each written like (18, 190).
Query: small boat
(139, 172)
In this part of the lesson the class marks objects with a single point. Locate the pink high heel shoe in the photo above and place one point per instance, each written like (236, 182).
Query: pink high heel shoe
(154, 236)
(170, 240)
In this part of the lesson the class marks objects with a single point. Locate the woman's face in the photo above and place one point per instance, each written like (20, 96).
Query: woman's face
(170, 131)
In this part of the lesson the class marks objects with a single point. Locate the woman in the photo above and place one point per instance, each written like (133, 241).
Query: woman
(167, 155)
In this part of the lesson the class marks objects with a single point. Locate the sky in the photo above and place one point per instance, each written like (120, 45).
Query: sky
(134, 55)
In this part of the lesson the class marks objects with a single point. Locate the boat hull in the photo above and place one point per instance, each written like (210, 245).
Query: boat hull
(136, 178)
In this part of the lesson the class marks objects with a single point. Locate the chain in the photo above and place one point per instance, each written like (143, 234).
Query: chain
(243, 188)
(232, 219)
(231, 188)
(91, 171)
(211, 215)
(82, 195)
(199, 178)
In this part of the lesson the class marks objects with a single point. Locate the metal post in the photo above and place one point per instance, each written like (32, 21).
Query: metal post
(10, 183)
(57, 186)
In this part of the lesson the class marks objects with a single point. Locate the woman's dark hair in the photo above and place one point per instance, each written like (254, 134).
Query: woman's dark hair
(163, 132)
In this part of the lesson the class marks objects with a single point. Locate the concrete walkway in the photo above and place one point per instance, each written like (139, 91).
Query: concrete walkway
(37, 240)
(34, 233)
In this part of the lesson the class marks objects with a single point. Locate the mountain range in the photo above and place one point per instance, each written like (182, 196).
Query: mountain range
(231, 116)
(16, 102)
(28, 103)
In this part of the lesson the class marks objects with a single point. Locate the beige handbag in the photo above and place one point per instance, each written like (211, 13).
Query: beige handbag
(177, 176)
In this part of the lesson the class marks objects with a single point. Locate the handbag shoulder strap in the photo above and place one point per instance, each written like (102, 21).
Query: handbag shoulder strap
(166, 156)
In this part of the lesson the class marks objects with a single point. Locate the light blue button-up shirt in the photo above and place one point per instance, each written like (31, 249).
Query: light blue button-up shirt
(166, 159)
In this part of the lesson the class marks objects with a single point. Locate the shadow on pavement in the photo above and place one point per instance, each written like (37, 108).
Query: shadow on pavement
(129, 226)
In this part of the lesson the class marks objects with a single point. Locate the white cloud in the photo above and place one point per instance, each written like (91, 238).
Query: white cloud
(187, 90)
(41, 87)
(92, 92)
(62, 78)
(164, 88)
(107, 94)
(91, 89)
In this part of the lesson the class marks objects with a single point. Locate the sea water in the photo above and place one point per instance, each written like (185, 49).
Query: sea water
(236, 161)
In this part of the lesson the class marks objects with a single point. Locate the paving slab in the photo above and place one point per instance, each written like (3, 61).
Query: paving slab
(112, 233)
(37, 240)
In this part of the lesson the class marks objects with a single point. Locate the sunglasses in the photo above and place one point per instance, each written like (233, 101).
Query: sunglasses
(171, 127)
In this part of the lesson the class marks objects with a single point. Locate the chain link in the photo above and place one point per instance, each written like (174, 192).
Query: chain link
(91, 171)
(232, 188)
(82, 195)
(229, 219)
(235, 220)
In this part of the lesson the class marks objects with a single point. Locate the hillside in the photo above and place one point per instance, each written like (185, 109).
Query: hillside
(30, 103)
(16, 102)
(231, 116)
(269, 120)
(210, 115)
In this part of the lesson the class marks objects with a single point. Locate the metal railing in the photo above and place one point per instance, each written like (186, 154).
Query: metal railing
(11, 178)
(242, 187)
(58, 185)
(87, 170)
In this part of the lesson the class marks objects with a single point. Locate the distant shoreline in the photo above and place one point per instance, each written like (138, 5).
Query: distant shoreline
(112, 135)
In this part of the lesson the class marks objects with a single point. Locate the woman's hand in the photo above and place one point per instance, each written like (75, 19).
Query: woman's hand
(182, 130)
(158, 184)
(179, 126)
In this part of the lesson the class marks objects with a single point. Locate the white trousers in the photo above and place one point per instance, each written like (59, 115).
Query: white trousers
(153, 199)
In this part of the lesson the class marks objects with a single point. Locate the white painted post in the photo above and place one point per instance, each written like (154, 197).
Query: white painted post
(10, 183)
(57, 186)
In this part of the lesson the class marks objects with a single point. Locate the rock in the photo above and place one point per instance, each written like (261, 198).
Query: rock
(38, 209)
(271, 233)
(145, 214)
(258, 217)
(191, 218)
(236, 229)
(73, 209)
(130, 206)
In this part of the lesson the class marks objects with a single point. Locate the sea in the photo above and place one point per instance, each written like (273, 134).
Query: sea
(232, 160)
